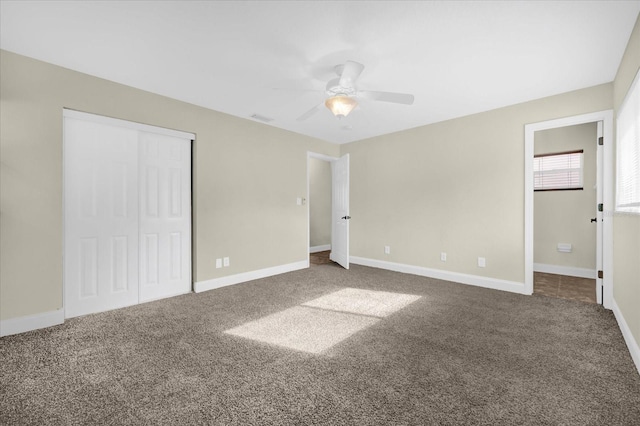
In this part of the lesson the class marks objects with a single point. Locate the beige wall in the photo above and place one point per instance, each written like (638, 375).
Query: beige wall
(319, 202)
(246, 179)
(564, 216)
(626, 228)
(455, 186)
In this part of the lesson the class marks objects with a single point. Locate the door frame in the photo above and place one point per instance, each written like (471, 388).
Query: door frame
(606, 117)
(96, 118)
(328, 159)
(599, 214)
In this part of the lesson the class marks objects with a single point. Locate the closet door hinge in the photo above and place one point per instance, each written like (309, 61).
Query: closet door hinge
(601, 140)
(600, 274)
(600, 207)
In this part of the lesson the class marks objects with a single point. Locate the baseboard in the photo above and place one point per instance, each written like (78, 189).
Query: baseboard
(31, 322)
(565, 270)
(316, 249)
(476, 280)
(634, 349)
(201, 286)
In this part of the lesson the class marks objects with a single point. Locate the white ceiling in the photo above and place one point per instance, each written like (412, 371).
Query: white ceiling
(457, 58)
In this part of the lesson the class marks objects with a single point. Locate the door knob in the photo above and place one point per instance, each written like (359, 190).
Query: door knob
(346, 217)
(595, 219)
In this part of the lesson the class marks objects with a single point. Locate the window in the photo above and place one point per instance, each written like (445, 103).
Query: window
(628, 152)
(558, 171)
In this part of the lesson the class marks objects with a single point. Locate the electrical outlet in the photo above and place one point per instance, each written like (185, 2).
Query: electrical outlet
(387, 250)
(226, 261)
(482, 262)
(443, 256)
(218, 263)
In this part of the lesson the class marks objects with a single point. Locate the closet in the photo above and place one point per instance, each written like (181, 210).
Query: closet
(127, 213)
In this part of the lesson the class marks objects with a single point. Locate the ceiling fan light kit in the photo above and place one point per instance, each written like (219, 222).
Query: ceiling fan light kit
(341, 105)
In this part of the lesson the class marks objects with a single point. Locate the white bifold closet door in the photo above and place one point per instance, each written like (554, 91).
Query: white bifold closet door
(127, 215)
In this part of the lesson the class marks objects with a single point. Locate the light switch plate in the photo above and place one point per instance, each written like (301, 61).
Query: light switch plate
(482, 262)
(218, 263)
(226, 261)
(443, 256)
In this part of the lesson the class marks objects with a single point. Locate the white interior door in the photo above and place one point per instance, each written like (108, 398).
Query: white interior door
(101, 217)
(165, 216)
(340, 212)
(599, 200)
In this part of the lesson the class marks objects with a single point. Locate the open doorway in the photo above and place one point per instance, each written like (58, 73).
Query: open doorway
(565, 204)
(319, 211)
(328, 209)
(555, 213)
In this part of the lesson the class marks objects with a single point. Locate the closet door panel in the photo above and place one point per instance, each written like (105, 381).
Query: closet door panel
(165, 216)
(101, 217)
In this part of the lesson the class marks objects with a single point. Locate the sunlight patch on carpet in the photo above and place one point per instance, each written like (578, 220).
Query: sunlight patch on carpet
(319, 324)
(364, 302)
(304, 329)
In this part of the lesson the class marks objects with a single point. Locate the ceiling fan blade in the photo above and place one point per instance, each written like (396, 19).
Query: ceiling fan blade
(350, 73)
(293, 89)
(309, 113)
(396, 98)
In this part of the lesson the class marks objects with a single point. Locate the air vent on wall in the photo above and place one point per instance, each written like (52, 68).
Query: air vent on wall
(564, 248)
(261, 118)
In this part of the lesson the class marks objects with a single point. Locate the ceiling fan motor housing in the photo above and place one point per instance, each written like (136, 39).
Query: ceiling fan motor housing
(334, 88)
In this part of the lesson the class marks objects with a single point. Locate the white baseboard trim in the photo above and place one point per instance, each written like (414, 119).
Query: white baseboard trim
(476, 280)
(565, 270)
(200, 286)
(31, 322)
(316, 249)
(634, 349)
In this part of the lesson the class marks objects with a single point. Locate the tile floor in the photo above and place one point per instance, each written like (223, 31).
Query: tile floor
(564, 287)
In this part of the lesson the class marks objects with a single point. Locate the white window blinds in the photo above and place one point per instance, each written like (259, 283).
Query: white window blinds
(558, 171)
(628, 152)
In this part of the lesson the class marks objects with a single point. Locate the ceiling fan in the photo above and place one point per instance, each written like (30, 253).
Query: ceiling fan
(342, 93)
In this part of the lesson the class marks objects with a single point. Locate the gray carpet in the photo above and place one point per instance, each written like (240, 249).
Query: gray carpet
(458, 355)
